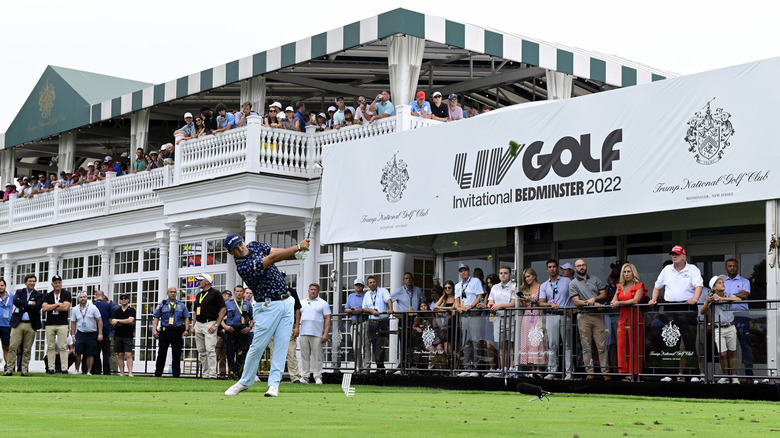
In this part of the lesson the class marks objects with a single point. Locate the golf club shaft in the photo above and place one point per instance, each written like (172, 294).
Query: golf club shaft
(313, 210)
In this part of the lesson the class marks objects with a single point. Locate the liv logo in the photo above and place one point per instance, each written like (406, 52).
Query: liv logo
(491, 168)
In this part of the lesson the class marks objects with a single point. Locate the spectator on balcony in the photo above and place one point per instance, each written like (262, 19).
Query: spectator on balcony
(154, 161)
(362, 113)
(322, 122)
(300, 116)
(246, 111)
(209, 119)
(200, 127)
(331, 112)
(473, 112)
(438, 108)
(62, 180)
(23, 186)
(339, 114)
(81, 176)
(52, 181)
(273, 119)
(420, 107)
(453, 110)
(382, 107)
(113, 166)
(289, 121)
(92, 172)
(45, 182)
(187, 131)
(225, 120)
(10, 189)
(139, 164)
(35, 186)
(349, 119)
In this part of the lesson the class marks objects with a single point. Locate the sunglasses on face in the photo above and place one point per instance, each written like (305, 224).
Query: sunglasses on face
(272, 111)
(447, 287)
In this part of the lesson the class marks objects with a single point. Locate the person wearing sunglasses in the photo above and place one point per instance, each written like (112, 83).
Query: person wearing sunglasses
(273, 119)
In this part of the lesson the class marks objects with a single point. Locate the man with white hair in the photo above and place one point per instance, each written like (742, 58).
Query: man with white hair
(86, 323)
(209, 309)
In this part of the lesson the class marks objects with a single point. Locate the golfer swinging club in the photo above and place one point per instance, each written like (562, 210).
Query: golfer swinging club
(273, 311)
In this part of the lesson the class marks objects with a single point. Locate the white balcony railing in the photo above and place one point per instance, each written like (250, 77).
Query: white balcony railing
(253, 148)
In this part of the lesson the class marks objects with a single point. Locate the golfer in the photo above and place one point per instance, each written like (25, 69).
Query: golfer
(273, 309)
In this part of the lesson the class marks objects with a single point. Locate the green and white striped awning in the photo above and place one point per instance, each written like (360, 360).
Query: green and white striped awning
(589, 65)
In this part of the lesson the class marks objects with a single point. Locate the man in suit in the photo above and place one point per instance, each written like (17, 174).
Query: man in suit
(25, 320)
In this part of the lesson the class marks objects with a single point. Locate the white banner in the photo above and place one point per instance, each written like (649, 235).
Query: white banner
(699, 140)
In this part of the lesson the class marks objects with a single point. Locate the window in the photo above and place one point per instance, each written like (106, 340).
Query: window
(126, 287)
(126, 262)
(326, 249)
(22, 270)
(348, 275)
(190, 254)
(151, 259)
(216, 252)
(43, 272)
(73, 268)
(379, 268)
(281, 239)
(423, 275)
(144, 318)
(93, 265)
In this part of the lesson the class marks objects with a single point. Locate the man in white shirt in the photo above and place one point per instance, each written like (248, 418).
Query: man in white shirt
(378, 305)
(315, 326)
(86, 323)
(502, 296)
(470, 291)
(683, 285)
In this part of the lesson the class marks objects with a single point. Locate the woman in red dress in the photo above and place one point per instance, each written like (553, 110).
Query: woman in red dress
(630, 331)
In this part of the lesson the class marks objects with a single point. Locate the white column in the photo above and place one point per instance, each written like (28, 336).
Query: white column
(253, 91)
(231, 275)
(139, 130)
(162, 241)
(67, 151)
(105, 266)
(253, 135)
(54, 257)
(173, 255)
(250, 226)
(397, 268)
(559, 85)
(109, 191)
(772, 287)
(8, 264)
(7, 165)
(404, 58)
(403, 117)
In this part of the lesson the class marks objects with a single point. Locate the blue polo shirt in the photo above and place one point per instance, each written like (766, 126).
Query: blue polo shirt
(417, 109)
(355, 300)
(733, 287)
(385, 108)
(238, 313)
(6, 308)
(301, 120)
(229, 119)
(164, 310)
(556, 292)
(264, 282)
(189, 129)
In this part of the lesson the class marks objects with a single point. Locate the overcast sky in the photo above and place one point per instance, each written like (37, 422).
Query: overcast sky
(157, 41)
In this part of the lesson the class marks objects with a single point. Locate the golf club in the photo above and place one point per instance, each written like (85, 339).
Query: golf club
(316, 199)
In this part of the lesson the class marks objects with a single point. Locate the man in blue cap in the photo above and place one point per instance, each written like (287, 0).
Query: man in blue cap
(273, 309)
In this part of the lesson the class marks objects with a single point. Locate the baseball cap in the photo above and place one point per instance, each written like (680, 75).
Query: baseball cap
(152, 152)
(25, 178)
(715, 278)
(206, 277)
(81, 292)
(9, 184)
(231, 240)
(677, 250)
(164, 147)
(322, 115)
(436, 94)
(567, 265)
(56, 278)
(331, 108)
(275, 104)
(107, 159)
(91, 165)
(463, 266)
(452, 95)
(359, 281)
(289, 108)
(337, 99)
(421, 94)
(126, 296)
(187, 115)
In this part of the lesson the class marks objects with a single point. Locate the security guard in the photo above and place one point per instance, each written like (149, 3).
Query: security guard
(237, 324)
(175, 323)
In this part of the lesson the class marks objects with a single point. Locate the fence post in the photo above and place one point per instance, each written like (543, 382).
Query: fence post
(109, 178)
(253, 143)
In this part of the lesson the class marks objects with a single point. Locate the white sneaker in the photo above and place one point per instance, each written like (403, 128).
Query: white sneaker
(492, 375)
(666, 379)
(723, 380)
(463, 374)
(89, 374)
(76, 372)
(318, 381)
(568, 377)
(236, 388)
(273, 391)
(473, 374)
(695, 380)
(549, 377)
(304, 380)
(398, 373)
(735, 381)
(257, 378)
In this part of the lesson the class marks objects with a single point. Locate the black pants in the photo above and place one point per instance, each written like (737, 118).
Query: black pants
(173, 339)
(377, 335)
(236, 346)
(102, 359)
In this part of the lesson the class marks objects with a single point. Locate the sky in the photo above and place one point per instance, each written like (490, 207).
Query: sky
(157, 41)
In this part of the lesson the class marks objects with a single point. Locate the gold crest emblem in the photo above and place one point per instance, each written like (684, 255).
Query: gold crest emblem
(46, 100)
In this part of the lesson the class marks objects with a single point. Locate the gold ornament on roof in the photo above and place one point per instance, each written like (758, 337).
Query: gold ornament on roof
(46, 100)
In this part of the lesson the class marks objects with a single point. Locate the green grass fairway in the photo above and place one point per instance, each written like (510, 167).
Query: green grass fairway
(86, 406)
